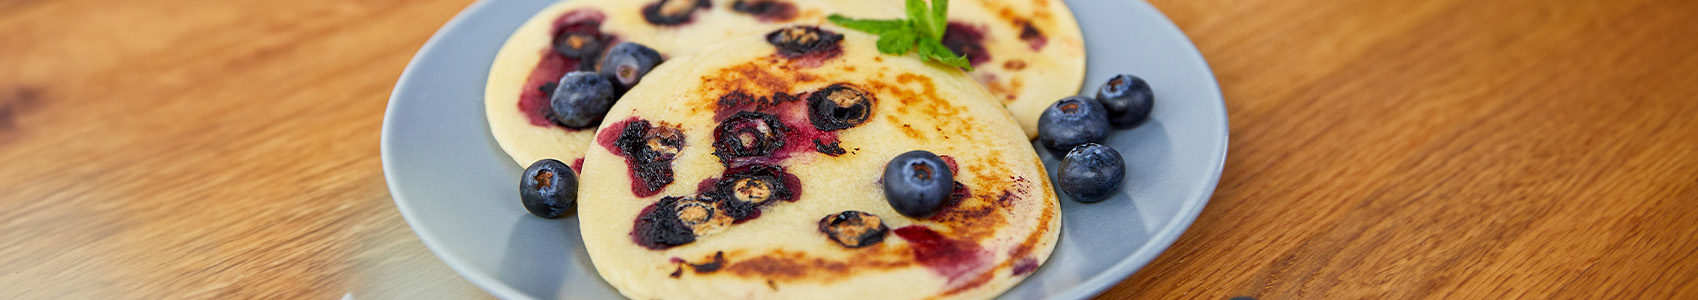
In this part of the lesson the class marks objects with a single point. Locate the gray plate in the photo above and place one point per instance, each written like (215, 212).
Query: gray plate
(459, 191)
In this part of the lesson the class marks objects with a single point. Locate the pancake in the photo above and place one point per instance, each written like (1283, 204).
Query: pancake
(773, 157)
(516, 106)
(1030, 54)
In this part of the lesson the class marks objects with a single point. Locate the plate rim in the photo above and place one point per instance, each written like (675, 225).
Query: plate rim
(1092, 286)
(488, 283)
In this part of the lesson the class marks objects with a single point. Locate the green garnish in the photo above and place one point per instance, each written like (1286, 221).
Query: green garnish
(922, 29)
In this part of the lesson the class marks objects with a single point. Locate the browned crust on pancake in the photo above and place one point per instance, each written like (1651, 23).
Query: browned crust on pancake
(761, 77)
(948, 119)
(1040, 14)
(1015, 255)
(780, 265)
(777, 75)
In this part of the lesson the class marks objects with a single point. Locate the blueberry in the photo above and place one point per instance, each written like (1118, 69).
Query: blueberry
(839, 106)
(916, 183)
(548, 188)
(627, 62)
(581, 99)
(580, 45)
(1127, 99)
(673, 12)
(649, 149)
(675, 221)
(646, 142)
(745, 189)
(853, 229)
(798, 40)
(748, 134)
(702, 216)
(766, 10)
(580, 36)
(1072, 121)
(1091, 172)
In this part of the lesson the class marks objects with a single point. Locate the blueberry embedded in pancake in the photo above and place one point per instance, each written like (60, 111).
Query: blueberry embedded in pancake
(808, 45)
(746, 188)
(578, 36)
(673, 12)
(674, 221)
(854, 229)
(792, 221)
(839, 106)
(766, 10)
(748, 135)
(648, 150)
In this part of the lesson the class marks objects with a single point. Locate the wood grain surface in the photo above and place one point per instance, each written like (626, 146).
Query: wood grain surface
(1379, 150)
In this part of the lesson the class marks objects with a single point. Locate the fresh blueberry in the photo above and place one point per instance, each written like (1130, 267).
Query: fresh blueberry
(548, 188)
(916, 183)
(1128, 100)
(1091, 172)
(1072, 121)
(627, 62)
(581, 99)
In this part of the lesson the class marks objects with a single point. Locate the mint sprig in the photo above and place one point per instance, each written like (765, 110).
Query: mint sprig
(923, 29)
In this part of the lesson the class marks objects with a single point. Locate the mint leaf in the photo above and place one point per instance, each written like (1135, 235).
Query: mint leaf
(922, 18)
(871, 26)
(940, 16)
(935, 50)
(923, 26)
(897, 42)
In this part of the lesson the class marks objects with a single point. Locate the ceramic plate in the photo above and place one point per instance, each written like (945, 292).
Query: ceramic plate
(458, 190)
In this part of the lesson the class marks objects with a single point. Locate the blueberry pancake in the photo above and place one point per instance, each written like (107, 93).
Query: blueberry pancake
(578, 35)
(753, 169)
(1028, 53)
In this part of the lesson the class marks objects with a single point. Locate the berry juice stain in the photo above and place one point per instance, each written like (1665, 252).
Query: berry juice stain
(966, 40)
(1032, 36)
(1025, 266)
(950, 258)
(950, 161)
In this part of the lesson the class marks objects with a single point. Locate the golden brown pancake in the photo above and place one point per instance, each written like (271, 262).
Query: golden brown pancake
(728, 172)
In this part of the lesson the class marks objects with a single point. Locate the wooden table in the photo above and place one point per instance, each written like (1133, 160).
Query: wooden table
(1379, 149)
